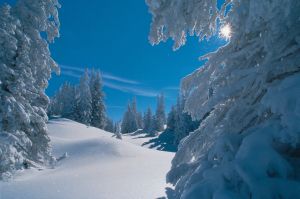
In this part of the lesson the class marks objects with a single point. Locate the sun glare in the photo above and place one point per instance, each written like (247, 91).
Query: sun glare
(225, 31)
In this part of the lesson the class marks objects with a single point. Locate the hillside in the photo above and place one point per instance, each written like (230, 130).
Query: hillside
(97, 166)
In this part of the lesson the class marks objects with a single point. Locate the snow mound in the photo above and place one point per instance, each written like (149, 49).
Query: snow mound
(92, 164)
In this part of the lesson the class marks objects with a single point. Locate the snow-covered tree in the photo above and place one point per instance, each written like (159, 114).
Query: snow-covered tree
(109, 126)
(140, 122)
(125, 125)
(25, 65)
(84, 100)
(172, 119)
(149, 123)
(130, 121)
(160, 116)
(98, 114)
(180, 122)
(247, 97)
(63, 102)
(83, 103)
(117, 130)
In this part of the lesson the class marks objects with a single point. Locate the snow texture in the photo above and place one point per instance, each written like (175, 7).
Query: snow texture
(96, 166)
(247, 97)
(26, 66)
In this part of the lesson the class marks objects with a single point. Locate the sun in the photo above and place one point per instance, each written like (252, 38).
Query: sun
(225, 31)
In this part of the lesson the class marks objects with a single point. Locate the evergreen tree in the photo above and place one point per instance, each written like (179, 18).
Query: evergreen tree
(172, 119)
(148, 122)
(125, 126)
(84, 102)
(184, 123)
(109, 127)
(160, 117)
(25, 65)
(246, 96)
(62, 103)
(98, 115)
(140, 122)
(130, 118)
(117, 130)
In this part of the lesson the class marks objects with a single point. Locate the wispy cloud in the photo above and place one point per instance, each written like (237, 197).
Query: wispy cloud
(119, 79)
(131, 89)
(67, 69)
(71, 68)
(113, 82)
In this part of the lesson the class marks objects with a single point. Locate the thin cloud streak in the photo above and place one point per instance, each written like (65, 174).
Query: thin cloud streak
(130, 89)
(104, 75)
(119, 79)
(113, 82)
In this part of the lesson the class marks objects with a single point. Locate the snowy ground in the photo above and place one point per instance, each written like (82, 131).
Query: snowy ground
(162, 142)
(137, 138)
(98, 166)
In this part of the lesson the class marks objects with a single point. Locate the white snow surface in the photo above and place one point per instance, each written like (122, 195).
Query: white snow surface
(140, 139)
(97, 166)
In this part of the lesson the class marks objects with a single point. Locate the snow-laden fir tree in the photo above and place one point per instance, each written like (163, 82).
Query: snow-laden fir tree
(172, 118)
(63, 102)
(247, 96)
(126, 121)
(98, 112)
(25, 65)
(109, 126)
(84, 100)
(180, 122)
(117, 130)
(160, 116)
(130, 118)
(148, 122)
(140, 122)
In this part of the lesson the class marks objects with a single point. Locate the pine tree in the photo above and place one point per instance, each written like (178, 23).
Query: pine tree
(125, 125)
(140, 122)
(184, 123)
(172, 119)
(25, 65)
(109, 127)
(130, 118)
(148, 122)
(98, 115)
(117, 130)
(84, 102)
(160, 117)
(63, 102)
(246, 96)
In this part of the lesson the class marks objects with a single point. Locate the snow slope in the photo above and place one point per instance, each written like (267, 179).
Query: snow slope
(162, 142)
(138, 138)
(98, 166)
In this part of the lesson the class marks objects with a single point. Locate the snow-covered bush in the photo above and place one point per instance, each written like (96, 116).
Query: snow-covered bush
(247, 96)
(26, 66)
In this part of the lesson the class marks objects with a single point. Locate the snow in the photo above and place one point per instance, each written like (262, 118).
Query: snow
(96, 166)
(139, 138)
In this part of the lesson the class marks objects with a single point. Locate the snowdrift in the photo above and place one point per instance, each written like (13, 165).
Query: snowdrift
(97, 166)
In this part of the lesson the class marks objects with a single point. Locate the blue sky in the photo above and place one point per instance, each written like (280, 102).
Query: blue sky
(113, 36)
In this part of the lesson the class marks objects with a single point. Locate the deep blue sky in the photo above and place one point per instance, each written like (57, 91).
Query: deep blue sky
(113, 36)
